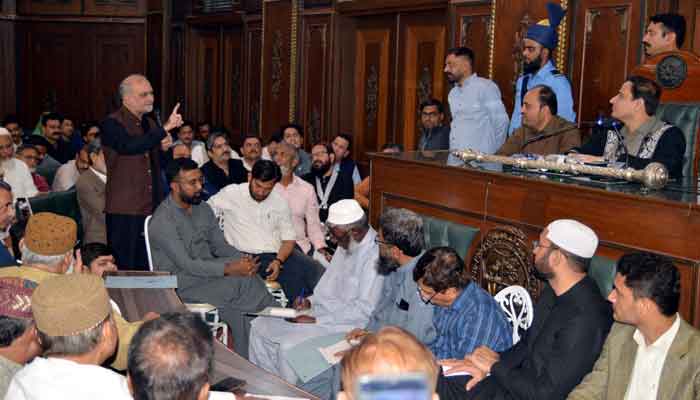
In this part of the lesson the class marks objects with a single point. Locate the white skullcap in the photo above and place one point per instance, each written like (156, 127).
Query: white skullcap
(4, 132)
(573, 236)
(345, 212)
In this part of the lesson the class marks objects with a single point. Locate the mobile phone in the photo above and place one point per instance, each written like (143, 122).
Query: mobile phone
(228, 384)
(24, 208)
(413, 386)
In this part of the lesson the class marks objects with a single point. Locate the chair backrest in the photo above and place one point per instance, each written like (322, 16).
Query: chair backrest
(516, 304)
(602, 270)
(503, 259)
(148, 242)
(686, 117)
(439, 232)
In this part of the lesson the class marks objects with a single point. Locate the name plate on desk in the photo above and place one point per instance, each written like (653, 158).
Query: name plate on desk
(141, 282)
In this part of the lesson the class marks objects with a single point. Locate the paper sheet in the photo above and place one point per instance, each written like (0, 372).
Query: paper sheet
(329, 353)
(280, 312)
(446, 369)
(264, 396)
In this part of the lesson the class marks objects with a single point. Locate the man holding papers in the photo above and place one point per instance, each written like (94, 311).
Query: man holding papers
(344, 298)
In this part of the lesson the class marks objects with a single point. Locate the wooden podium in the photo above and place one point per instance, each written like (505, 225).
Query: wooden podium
(625, 216)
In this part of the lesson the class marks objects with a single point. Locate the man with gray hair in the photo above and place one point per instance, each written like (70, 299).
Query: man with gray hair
(91, 188)
(133, 143)
(221, 170)
(77, 335)
(13, 171)
(170, 358)
(344, 298)
(401, 243)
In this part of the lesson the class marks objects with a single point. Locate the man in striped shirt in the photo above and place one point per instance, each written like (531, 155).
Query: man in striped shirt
(466, 316)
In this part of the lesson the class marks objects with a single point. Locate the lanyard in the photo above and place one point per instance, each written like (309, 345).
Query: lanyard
(326, 194)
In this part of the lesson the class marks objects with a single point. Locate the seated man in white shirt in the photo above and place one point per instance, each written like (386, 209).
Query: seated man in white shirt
(344, 298)
(15, 172)
(257, 221)
(77, 335)
(651, 352)
(198, 151)
(301, 198)
(67, 174)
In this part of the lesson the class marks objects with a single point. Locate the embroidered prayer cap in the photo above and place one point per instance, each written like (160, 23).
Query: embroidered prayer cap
(345, 212)
(66, 305)
(50, 234)
(573, 236)
(545, 31)
(16, 297)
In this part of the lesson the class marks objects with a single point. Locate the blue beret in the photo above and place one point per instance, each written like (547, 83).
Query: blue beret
(545, 31)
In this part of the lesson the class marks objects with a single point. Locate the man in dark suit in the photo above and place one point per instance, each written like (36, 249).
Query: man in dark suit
(331, 184)
(91, 195)
(221, 170)
(571, 323)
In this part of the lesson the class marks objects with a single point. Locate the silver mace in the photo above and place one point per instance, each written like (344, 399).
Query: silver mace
(653, 176)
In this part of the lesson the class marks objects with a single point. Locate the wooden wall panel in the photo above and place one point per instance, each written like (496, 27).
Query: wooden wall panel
(75, 68)
(61, 7)
(175, 67)
(203, 78)
(472, 27)
(607, 47)
(276, 65)
(314, 78)
(232, 75)
(421, 63)
(253, 60)
(372, 77)
(115, 7)
(8, 73)
(154, 59)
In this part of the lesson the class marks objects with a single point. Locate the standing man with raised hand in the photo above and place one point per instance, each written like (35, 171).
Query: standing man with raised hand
(538, 69)
(479, 118)
(132, 144)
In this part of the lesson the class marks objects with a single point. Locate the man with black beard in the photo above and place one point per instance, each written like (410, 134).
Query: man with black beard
(538, 69)
(572, 320)
(330, 185)
(186, 240)
(401, 243)
(258, 221)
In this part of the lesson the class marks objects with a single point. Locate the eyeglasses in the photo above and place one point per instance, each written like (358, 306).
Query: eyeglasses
(537, 243)
(430, 299)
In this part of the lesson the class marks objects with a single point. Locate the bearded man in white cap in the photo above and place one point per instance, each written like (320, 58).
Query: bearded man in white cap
(572, 320)
(343, 299)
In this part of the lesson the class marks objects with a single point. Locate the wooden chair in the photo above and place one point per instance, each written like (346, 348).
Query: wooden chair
(503, 259)
(678, 73)
(517, 305)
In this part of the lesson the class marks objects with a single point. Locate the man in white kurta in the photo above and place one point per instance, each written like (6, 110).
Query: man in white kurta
(344, 298)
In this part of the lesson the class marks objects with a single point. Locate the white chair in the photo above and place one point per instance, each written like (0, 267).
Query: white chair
(210, 316)
(516, 303)
(148, 243)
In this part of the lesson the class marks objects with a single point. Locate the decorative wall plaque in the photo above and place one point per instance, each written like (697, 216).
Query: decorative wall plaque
(372, 96)
(671, 72)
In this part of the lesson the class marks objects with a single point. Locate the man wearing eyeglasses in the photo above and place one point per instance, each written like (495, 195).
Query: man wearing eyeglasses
(571, 322)
(435, 135)
(465, 316)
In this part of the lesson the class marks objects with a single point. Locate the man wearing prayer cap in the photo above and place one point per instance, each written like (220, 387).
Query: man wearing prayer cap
(571, 322)
(538, 69)
(77, 334)
(47, 250)
(343, 299)
(18, 342)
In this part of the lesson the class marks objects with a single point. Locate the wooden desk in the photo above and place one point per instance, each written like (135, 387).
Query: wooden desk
(625, 218)
(134, 303)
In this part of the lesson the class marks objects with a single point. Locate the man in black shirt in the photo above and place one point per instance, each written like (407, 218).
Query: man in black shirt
(221, 170)
(571, 322)
(59, 149)
(330, 184)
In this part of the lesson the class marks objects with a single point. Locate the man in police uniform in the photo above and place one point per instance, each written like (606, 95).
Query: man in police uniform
(538, 69)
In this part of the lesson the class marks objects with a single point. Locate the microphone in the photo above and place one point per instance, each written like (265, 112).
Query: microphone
(611, 125)
(156, 112)
(555, 132)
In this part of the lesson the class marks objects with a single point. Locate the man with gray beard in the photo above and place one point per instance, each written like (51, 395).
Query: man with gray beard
(401, 243)
(343, 299)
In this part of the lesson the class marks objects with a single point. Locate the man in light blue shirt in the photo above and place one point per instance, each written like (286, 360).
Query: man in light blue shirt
(538, 69)
(479, 119)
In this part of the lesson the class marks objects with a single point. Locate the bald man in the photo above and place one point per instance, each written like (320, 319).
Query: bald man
(133, 143)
